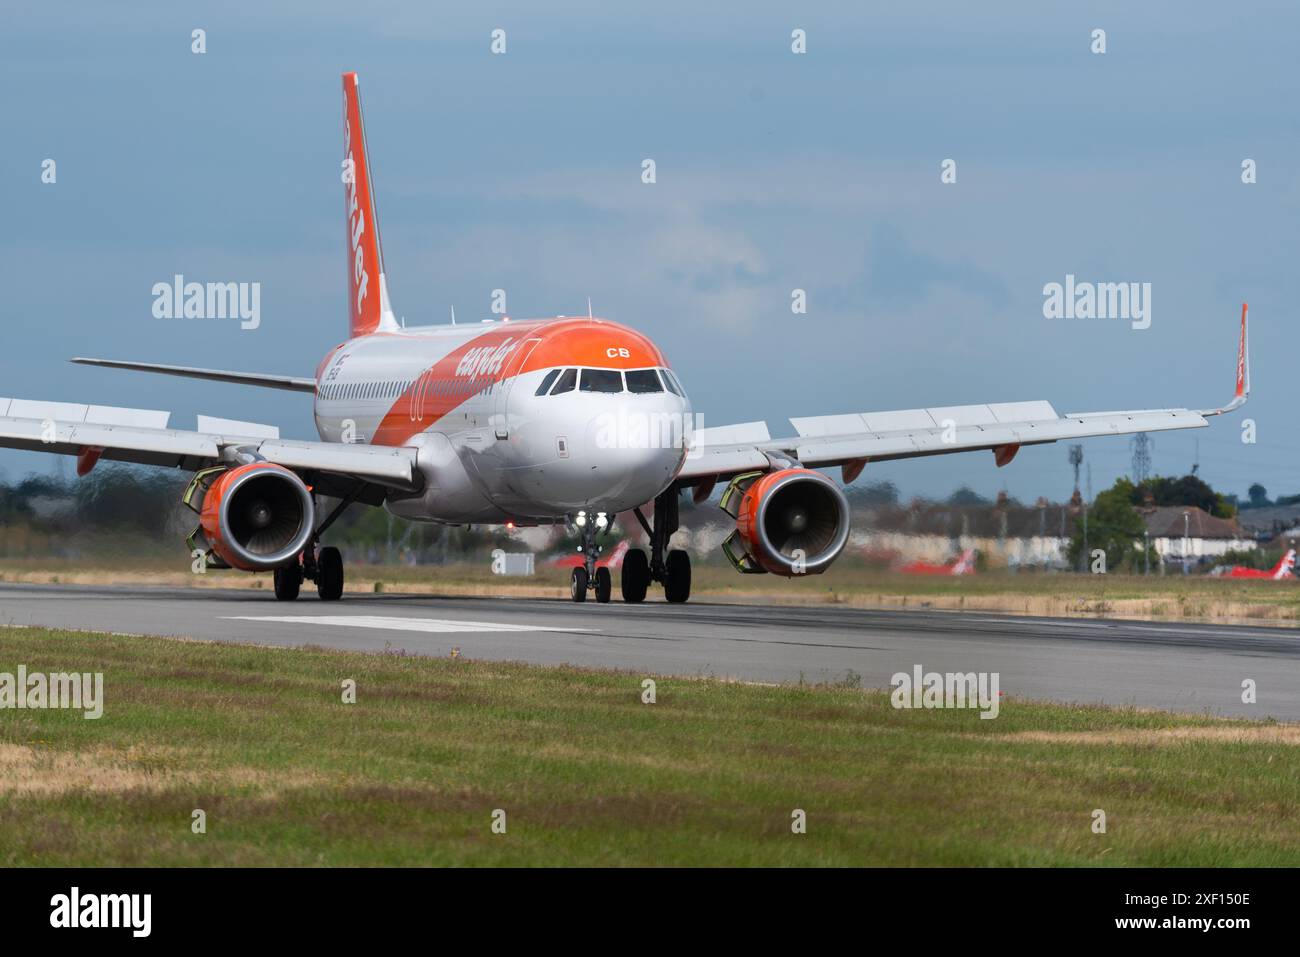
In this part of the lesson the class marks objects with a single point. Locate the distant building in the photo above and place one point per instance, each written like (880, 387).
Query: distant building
(1270, 521)
(1184, 531)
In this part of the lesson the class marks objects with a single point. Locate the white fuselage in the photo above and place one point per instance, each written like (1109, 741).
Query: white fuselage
(490, 447)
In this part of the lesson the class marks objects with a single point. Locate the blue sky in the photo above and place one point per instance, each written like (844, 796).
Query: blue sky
(775, 171)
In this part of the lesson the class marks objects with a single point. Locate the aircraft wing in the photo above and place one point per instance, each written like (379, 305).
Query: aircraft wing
(854, 439)
(94, 432)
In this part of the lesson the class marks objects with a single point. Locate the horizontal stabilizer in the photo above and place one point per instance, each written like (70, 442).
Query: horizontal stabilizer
(291, 383)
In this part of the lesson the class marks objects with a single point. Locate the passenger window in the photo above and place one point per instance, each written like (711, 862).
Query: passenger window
(601, 380)
(567, 381)
(642, 381)
(670, 380)
(547, 382)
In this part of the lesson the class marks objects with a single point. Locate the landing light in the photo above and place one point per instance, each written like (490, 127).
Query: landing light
(601, 520)
(581, 520)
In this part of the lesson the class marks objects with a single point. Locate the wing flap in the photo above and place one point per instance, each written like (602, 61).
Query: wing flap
(210, 423)
(904, 419)
(385, 463)
(934, 441)
(178, 448)
(70, 438)
(76, 412)
(929, 434)
(743, 432)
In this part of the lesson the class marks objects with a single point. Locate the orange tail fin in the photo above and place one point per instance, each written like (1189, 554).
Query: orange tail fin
(369, 310)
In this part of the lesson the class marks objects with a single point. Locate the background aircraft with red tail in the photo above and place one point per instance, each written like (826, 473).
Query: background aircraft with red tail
(963, 564)
(611, 561)
(1284, 569)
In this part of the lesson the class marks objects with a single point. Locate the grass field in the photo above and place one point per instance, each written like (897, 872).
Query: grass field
(588, 774)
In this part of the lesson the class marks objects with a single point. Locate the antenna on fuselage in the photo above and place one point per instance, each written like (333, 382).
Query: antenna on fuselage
(453, 315)
(589, 315)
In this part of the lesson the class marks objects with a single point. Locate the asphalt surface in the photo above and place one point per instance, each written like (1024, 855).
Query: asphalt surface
(1181, 667)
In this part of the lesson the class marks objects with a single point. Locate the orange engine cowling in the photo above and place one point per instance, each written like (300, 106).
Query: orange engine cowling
(257, 516)
(790, 522)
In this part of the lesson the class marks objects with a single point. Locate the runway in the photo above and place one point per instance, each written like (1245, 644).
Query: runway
(1175, 666)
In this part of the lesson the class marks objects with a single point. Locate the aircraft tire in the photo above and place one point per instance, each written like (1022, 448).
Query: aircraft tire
(329, 574)
(677, 581)
(635, 577)
(578, 585)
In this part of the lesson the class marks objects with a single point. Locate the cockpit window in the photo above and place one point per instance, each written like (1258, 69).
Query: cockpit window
(642, 381)
(670, 380)
(546, 383)
(567, 381)
(601, 380)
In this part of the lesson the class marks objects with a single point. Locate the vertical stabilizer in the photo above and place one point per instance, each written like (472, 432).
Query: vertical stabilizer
(369, 309)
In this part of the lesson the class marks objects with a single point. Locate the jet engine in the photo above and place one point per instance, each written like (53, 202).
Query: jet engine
(790, 522)
(256, 516)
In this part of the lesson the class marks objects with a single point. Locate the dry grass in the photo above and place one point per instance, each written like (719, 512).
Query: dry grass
(1284, 734)
(37, 771)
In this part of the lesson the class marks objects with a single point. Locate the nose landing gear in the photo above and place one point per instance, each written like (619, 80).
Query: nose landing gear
(587, 575)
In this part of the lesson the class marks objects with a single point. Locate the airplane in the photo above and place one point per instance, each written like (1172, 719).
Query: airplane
(963, 564)
(613, 560)
(1285, 568)
(562, 421)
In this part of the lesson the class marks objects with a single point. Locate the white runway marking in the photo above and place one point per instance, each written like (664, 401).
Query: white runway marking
(437, 625)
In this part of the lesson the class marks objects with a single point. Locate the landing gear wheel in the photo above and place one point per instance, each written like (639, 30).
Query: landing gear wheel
(604, 584)
(329, 574)
(677, 576)
(288, 581)
(578, 585)
(636, 576)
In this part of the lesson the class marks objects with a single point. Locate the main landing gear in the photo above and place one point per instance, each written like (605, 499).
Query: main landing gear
(671, 568)
(324, 566)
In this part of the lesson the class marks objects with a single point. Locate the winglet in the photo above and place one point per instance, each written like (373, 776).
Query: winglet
(1242, 392)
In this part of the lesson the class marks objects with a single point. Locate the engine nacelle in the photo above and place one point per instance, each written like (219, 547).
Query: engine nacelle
(257, 516)
(789, 522)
